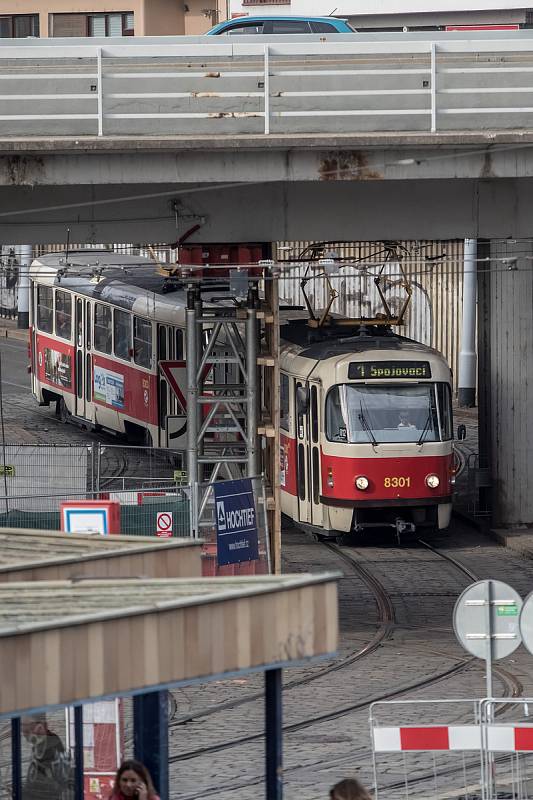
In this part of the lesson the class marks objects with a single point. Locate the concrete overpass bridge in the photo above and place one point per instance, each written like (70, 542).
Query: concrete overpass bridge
(351, 138)
(132, 139)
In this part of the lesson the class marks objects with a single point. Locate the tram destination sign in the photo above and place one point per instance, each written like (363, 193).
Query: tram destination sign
(378, 370)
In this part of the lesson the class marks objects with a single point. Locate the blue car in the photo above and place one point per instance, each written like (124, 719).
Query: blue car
(287, 25)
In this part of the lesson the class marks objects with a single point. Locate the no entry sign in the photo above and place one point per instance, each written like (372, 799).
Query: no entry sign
(164, 524)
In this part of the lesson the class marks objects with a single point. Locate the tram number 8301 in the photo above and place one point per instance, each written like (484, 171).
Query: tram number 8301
(396, 482)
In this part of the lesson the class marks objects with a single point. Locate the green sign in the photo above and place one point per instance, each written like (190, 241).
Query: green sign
(379, 370)
(506, 611)
(7, 469)
(180, 475)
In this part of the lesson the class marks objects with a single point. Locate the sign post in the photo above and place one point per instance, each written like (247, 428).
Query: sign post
(236, 522)
(486, 622)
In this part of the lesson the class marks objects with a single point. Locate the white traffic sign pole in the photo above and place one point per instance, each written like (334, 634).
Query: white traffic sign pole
(490, 633)
(488, 671)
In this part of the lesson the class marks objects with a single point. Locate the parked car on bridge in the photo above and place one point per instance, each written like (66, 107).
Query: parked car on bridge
(280, 24)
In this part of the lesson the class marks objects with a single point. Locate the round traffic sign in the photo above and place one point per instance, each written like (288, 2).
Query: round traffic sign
(488, 611)
(526, 622)
(164, 523)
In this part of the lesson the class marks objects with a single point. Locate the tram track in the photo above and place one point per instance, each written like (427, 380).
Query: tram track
(510, 684)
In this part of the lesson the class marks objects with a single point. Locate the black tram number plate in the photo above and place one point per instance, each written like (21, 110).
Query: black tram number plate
(379, 370)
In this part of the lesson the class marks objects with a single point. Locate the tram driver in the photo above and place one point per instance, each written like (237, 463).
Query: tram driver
(405, 422)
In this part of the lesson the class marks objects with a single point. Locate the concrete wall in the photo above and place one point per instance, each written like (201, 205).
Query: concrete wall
(196, 21)
(162, 17)
(506, 378)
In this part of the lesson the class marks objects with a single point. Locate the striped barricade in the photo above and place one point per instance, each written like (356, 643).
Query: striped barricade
(484, 758)
(428, 748)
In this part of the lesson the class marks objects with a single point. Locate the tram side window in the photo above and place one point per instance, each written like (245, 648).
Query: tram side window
(102, 328)
(63, 314)
(122, 331)
(284, 402)
(445, 408)
(45, 309)
(142, 342)
(179, 344)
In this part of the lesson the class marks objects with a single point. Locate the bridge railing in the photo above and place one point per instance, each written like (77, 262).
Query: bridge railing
(249, 87)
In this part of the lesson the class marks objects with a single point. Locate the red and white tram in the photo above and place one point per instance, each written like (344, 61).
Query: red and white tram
(366, 430)
(366, 414)
(99, 329)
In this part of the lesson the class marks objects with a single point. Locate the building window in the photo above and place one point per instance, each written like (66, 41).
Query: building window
(19, 26)
(97, 25)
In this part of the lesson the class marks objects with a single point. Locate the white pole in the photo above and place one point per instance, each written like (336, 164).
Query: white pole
(24, 253)
(467, 356)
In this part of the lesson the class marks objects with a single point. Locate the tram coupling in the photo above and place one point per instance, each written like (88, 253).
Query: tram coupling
(399, 525)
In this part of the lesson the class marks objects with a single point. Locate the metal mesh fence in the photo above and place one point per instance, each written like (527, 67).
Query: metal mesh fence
(139, 508)
(32, 473)
(415, 754)
(120, 467)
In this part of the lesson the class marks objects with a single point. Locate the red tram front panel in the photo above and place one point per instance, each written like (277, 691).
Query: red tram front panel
(389, 478)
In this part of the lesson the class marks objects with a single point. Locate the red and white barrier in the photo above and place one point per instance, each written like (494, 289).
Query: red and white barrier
(500, 738)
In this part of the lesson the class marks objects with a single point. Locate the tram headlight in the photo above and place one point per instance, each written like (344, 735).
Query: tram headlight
(361, 482)
(432, 481)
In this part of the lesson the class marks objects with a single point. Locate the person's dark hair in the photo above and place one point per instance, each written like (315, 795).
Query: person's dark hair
(349, 789)
(137, 767)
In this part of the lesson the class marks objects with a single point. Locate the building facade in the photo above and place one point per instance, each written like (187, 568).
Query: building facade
(100, 18)
(397, 15)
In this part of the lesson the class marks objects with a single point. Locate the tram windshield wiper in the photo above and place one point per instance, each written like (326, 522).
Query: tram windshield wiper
(425, 430)
(365, 426)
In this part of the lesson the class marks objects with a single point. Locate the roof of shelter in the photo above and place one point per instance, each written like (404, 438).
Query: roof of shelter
(73, 641)
(22, 550)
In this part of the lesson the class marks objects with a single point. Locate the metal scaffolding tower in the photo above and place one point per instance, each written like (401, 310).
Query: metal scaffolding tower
(233, 391)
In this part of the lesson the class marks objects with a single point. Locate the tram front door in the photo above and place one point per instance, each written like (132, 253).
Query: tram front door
(308, 425)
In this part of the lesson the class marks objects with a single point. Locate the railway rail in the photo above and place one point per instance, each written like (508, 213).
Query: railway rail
(511, 686)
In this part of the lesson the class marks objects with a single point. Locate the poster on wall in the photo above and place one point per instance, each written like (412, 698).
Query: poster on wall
(108, 387)
(58, 367)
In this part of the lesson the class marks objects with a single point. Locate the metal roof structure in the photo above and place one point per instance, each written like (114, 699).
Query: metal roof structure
(73, 641)
(46, 555)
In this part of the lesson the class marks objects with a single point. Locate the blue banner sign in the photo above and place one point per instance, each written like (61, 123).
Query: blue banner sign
(236, 522)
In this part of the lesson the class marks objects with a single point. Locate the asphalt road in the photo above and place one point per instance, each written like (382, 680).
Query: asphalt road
(15, 375)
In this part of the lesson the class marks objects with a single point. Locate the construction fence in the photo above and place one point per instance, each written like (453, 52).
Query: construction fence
(145, 484)
(468, 749)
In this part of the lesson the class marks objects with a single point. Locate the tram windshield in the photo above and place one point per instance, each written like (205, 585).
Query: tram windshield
(358, 413)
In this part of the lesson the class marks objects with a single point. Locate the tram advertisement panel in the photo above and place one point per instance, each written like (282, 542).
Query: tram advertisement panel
(108, 387)
(57, 367)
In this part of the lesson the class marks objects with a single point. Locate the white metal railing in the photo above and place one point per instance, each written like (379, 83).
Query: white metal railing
(201, 86)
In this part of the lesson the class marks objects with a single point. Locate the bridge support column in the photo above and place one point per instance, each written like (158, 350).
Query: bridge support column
(467, 356)
(506, 378)
(24, 257)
